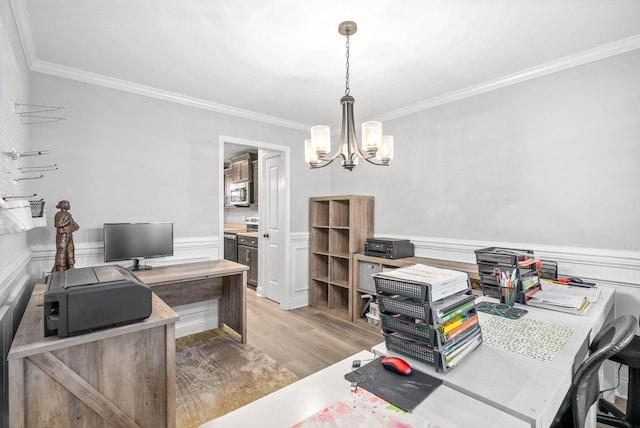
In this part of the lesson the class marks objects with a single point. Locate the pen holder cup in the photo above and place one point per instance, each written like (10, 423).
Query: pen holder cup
(508, 295)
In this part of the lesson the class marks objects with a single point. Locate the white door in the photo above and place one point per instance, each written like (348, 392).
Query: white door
(273, 229)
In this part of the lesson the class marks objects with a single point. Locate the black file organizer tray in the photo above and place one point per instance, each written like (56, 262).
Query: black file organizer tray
(409, 289)
(548, 269)
(407, 325)
(417, 349)
(502, 256)
(411, 321)
(421, 350)
(404, 306)
(505, 259)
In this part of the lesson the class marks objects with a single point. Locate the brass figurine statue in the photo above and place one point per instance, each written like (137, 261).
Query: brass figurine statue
(65, 226)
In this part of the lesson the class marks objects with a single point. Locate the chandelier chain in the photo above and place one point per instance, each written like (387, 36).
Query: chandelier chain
(347, 89)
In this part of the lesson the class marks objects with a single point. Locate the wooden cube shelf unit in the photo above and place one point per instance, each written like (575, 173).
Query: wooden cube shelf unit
(339, 226)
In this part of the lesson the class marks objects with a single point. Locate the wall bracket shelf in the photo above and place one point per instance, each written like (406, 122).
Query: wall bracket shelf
(29, 113)
(37, 177)
(15, 155)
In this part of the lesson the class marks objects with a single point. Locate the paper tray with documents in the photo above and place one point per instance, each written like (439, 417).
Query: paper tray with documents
(422, 283)
(564, 298)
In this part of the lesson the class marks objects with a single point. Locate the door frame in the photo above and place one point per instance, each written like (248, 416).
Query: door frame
(286, 156)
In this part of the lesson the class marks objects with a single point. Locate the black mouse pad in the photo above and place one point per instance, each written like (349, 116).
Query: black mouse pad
(405, 392)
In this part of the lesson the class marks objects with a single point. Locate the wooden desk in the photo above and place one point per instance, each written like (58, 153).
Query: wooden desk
(445, 407)
(122, 376)
(527, 388)
(185, 283)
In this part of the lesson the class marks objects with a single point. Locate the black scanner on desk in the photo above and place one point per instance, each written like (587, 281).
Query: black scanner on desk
(82, 300)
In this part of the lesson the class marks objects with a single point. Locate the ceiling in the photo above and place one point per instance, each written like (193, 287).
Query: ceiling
(283, 61)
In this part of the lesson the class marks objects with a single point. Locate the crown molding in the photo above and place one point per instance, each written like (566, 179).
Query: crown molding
(160, 94)
(24, 31)
(581, 58)
(23, 25)
(20, 15)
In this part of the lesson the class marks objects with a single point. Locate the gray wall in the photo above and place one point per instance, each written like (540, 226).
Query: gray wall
(14, 253)
(14, 87)
(124, 157)
(553, 161)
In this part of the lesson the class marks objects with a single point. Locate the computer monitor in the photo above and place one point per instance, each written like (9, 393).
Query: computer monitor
(136, 241)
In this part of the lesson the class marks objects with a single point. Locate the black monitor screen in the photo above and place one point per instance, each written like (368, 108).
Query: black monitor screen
(123, 241)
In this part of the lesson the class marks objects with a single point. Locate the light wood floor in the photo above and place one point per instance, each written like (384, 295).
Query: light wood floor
(307, 339)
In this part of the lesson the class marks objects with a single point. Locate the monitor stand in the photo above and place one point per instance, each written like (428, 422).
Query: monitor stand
(137, 266)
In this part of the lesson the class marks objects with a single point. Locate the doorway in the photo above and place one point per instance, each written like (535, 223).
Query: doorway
(272, 261)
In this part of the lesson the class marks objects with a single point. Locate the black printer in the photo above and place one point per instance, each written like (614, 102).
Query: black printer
(81, 300)
(388, 248)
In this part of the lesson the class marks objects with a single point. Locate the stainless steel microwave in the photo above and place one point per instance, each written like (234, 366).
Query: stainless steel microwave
(241, 193)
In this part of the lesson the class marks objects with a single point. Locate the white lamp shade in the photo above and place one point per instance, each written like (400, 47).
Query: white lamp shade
(321, 138)
(310, 154)
(371, 135)
(385, 153)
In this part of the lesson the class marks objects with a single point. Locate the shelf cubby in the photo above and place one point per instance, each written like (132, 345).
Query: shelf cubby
(319, 293)
(319, 213)
(319, 265)
(339, 271)
(339, 213)
(339, 299)
(320, 240)
(339, 242)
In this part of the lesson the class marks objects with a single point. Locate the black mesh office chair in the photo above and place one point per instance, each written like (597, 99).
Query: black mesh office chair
(629, 356)
(585, 386)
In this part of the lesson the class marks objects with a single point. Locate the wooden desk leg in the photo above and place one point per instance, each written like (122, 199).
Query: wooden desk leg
(233, 304)
(171, 375)
(16, 393)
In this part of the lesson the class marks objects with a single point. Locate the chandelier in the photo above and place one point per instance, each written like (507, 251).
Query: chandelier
(376, 148)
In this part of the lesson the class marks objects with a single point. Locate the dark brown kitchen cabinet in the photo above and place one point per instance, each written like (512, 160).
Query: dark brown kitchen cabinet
(241, 168)
(227, 184)
(248, 256)
(254, 168)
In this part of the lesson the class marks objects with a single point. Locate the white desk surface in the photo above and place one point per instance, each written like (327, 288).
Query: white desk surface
(520, 385)
(300, 400)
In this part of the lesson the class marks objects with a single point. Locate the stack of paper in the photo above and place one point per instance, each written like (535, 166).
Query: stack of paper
(592, 293)
(558, 301)
(443, 282)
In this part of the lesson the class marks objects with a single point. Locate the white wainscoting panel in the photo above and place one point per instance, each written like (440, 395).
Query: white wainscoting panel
(601, 265)
(15, 291)
(299, 270)
(196, 317)
(185, 250)
(13, 275)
